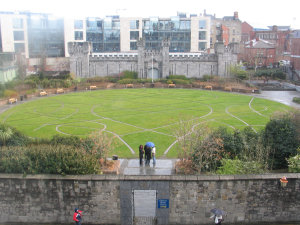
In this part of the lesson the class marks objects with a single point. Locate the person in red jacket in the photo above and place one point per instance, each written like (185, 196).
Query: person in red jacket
(77, 216)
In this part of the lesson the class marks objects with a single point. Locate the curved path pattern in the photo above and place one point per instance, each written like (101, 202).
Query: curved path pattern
(141, 129)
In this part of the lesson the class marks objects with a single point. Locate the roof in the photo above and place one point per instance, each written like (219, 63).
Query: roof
(282, 28)
(259, 44)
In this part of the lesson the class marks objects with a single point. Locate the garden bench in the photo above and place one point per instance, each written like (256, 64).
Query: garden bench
(43, 93)
(129, 85)
(171, 86)
(60, 91)
(228, 89)
(208, 87)
(12, 100)
(93, 87)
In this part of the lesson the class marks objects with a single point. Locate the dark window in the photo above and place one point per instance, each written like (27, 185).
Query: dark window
(78, 35)
(202, 46)
(133, 46)
(134, 35)
(18, 23)
(19, 35)
(94, 37)
(78, 24)
(202, 35)
(19, 47)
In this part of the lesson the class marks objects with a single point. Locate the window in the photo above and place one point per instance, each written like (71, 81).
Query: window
(134, 24)
(201, 46)
(202, 35)
(134, 35)
(18, 23)
(202, 24)
(19, 35)
(78, 24)
(133, 46)
(19, 47)
(78, 35)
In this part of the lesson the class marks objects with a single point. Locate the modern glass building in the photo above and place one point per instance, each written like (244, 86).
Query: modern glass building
(42, 35)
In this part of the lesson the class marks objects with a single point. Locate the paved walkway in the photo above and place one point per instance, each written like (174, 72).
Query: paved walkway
(133, 167)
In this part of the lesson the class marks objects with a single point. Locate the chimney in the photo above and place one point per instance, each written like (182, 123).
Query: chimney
(236, 15)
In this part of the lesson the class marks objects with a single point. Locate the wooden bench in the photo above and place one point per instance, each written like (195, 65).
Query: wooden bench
(12, 100)
(129, 85)
(228, 89)
(208, 87)
(171, 86)
(60, 91)
(43, 93)
(93, 87)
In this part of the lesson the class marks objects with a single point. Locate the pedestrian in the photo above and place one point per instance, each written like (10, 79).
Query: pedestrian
(153, 152)
(147, 154)
(77, 216)
(218, 219)
(141, 151)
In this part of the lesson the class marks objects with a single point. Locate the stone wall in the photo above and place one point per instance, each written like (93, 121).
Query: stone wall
(107, 199)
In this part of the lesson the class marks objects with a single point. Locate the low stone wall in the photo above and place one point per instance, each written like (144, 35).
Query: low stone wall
(107, 199)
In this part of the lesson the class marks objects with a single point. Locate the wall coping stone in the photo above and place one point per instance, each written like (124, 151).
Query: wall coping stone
(151, 177)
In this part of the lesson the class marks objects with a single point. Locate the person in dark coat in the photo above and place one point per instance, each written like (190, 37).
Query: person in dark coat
(147, 154)
(141, 152)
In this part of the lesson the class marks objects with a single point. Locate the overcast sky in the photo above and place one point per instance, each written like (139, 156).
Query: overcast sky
(258, 13)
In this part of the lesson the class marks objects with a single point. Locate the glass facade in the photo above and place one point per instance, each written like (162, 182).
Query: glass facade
(1, 50)
(202, 35)
(78, 35)
(134, 24)
(176, 29)
(45, 36)
(19, 47)
(202, 24)
(103, 34)
(202, 46)
(134, 35)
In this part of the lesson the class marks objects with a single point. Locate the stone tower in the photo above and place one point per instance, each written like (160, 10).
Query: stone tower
(141, 58)
(227, 57)
(79, 58)
(165, 58)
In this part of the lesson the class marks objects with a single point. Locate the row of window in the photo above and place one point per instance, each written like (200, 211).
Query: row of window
(152, 24)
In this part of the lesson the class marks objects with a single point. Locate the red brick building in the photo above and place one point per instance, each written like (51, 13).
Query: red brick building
(247, 32)
(295, 52)
(259, 53)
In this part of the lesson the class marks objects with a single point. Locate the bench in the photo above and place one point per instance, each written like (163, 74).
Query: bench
(12, 100)
(228, 89)
(129, 85)
(93, 87)
(171, 86)
(208, 87)
(60, 91)
(43, 93)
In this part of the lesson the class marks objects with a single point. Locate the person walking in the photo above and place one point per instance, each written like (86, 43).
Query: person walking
(153, 152)
(77, 216)
(141, 154)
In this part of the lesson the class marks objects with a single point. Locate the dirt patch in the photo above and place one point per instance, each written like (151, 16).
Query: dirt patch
(110, 167)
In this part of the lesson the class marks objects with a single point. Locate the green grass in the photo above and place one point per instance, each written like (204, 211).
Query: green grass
(136, 116)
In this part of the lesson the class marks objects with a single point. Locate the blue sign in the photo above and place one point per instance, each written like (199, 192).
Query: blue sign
(163, 203)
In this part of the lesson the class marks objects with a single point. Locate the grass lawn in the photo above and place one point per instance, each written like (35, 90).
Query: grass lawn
(135, 116)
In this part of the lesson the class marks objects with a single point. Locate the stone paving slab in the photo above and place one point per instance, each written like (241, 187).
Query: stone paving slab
(133, 167)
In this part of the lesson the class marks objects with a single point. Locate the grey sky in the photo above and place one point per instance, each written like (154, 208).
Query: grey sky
(258, 13)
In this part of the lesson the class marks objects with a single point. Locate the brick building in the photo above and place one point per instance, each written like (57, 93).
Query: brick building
(259, 53)
(295, 52)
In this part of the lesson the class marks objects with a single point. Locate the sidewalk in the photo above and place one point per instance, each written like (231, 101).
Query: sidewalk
(133, 167)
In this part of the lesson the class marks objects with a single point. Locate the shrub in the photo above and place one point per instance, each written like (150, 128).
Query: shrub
(9, 136)
(129, 75)
(296, 100)
(236, 166)
(127, 81)
(181, 77)
(66, 140)
(10, 94)
(180, 81)
(280, 135)
(294, 163)
(47, 159)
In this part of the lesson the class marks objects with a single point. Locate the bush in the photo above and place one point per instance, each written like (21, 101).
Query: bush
(47, 159)
(128, 75)
(294, 163)
(280, 135)
(10, 94)
(9, 136)
(127, 81)
(236, 166)
(181, 77)
(180, 81)
(296, 100)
